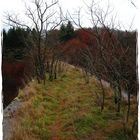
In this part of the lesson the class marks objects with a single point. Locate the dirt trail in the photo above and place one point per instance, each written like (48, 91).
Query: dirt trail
(57, 126)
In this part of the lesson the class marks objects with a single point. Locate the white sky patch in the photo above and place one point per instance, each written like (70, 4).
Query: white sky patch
(126, 11)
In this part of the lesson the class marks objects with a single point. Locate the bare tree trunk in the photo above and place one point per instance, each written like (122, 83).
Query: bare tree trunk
(47, 67)
(51, 69)
(103, 95)
(55, 69)
(85, 74)
(41, 17)
(119, 98)
(128, 107)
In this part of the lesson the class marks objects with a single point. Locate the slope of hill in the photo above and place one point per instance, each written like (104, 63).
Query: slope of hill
(69, 109)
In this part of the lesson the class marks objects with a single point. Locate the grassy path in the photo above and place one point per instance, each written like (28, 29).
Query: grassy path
(65, 109)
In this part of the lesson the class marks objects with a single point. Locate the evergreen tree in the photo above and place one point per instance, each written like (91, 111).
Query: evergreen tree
(14, 46)
(66, 32)
(4, 38)
(62, 32)
(69, 31)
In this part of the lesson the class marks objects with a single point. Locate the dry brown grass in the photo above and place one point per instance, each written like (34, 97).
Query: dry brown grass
(66, 109)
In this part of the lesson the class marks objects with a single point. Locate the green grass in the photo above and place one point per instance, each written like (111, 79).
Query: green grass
(120, 135)
(67, 109)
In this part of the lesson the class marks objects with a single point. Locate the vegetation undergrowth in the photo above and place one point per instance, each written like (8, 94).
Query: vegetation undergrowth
(67, 109)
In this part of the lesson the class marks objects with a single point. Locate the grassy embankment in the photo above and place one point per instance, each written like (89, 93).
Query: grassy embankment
(67, 109)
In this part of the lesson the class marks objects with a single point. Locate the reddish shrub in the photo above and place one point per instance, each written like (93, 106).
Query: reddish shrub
(13, 75)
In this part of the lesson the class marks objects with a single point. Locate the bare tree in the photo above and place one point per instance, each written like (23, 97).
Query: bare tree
(111, 53)
(44, 17)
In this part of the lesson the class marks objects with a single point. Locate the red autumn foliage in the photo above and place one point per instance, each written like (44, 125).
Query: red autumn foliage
(14, 69)
(84, 35)
(13, 74)
(117, 47)
(73, 49)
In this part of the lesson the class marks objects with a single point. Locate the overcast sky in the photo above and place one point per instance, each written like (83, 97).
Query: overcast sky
(126, 11)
